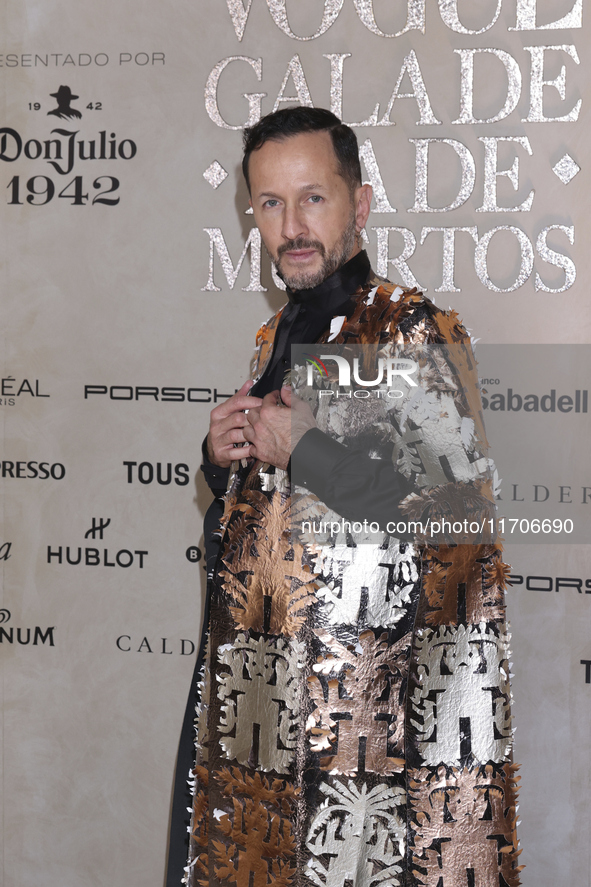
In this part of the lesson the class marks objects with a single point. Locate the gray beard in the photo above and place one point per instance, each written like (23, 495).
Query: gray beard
(331, 261)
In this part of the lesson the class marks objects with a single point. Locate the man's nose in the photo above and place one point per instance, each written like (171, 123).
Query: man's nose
(294, 223)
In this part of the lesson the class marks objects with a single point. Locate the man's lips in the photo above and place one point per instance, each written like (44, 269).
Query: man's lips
(300, 255)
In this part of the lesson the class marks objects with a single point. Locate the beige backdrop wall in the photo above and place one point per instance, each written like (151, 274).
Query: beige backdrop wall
(133, 285)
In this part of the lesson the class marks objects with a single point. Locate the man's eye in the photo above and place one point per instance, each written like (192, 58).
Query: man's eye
(272, 202)
(316, 198)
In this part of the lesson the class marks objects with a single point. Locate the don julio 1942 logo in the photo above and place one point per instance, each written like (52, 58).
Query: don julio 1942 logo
(63, 148)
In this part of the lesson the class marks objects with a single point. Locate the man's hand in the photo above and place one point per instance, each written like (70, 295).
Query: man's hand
(226, 426)
(276, 427)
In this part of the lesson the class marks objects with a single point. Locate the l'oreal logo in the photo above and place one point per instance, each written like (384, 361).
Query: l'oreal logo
(388, 368)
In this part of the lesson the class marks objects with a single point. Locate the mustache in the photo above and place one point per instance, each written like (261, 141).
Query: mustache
(300, 243)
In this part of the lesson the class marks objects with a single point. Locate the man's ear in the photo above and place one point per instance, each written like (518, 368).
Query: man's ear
(363, 196)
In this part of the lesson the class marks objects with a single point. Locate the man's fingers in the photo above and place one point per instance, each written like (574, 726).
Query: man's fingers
(235, 420)
(264, 428)
(228, 439)
(286, 395)
(236, 404)
(231, 454)
(224, 435)
(220, 429)
(271, 399)
(235, 435)
(227, 421)
(253, 417)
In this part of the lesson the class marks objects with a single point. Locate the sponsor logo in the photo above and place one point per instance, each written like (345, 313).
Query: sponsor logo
(563, 494)
(193, 554)
(75, 556)
(552, 583)
(94, 557)
(11, 389)
(64, 97)
(171, 394)
(24, 636)
(60, 152)
(512, 402)
(98, 527)
(63, 150)
(162, 473)
(181, 646)
(27, 470)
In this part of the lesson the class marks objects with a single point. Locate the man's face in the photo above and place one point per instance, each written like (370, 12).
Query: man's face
(307, 214)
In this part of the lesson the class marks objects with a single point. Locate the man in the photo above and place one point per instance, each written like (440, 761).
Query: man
(353, 719)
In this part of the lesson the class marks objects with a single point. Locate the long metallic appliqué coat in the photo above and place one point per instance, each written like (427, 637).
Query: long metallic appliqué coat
(354, 726)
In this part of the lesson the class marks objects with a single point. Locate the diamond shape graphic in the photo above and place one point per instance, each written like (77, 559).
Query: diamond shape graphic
(215, 174)
(566, 169)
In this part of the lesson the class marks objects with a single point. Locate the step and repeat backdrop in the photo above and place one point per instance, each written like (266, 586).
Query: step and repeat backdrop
(133, 284)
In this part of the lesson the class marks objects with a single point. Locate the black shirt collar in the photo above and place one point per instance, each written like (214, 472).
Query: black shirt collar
(337, 288)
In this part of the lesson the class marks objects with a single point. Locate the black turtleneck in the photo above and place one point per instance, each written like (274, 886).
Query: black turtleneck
(308, 315)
